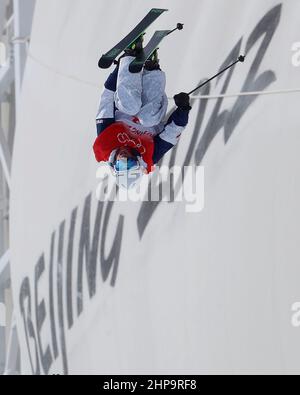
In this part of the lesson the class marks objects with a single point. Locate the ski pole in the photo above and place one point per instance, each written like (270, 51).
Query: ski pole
(179, 27)
(240, 59)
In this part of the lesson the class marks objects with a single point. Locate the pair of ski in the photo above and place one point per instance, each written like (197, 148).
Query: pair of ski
(137, 65)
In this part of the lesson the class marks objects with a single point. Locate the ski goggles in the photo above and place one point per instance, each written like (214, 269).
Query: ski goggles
(125, 164)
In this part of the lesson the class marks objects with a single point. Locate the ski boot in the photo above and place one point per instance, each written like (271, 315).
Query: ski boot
(152, 63)
(136, 48)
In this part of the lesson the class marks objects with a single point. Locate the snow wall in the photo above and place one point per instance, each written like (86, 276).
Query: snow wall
(116, 288)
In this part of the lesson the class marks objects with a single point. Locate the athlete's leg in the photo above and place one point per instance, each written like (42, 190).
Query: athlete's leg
(106, 112)
(154, 99)
(128, 97)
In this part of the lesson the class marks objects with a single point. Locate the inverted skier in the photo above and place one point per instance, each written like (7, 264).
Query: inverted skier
(132, 134)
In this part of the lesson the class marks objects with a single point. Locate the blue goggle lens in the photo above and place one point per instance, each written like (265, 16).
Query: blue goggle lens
(125, 164)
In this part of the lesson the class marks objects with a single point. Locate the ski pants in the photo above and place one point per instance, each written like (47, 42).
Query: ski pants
(141, 95)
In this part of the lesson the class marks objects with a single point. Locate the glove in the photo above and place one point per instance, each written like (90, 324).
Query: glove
(182, 101)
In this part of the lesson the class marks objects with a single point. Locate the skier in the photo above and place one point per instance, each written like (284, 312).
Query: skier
(132, 134)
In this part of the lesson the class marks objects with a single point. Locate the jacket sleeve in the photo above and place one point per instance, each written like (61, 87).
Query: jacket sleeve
(170, 136)
(106, 113)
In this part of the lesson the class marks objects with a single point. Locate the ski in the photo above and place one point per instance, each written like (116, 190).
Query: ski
(107, 60)
(137, 65)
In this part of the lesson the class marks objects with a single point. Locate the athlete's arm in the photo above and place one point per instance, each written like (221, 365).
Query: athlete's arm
(170, 136)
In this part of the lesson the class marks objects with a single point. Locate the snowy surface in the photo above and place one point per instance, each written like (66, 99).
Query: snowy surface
(208, 292)
(2, 314)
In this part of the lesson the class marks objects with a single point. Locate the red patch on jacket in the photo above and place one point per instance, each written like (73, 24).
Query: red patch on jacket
(120, 135)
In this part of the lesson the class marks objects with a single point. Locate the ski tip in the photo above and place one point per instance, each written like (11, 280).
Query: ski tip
(159, 10)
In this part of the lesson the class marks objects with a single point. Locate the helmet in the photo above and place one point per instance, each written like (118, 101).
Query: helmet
(128, 171)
